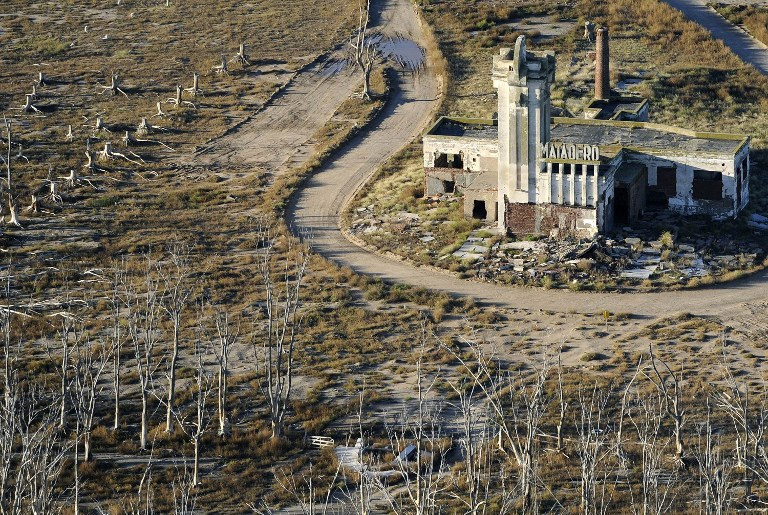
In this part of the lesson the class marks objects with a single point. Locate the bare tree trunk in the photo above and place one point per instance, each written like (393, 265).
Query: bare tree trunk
(365, 50)
(226, 339)
(283, 324)
(175, 299)
(673, 402)
(144, 318)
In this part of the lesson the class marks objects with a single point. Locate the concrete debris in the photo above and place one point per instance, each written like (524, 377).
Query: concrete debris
(634, 254)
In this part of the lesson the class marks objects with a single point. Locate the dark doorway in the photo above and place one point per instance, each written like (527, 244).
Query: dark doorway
(656, 200)
(621, 206)
(479, 211)
(666, 180)
(449, 186)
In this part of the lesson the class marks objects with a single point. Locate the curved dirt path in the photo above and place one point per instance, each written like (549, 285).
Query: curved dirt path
(279, 136)
(740, 42)
(316, 208)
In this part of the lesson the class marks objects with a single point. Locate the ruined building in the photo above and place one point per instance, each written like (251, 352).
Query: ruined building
(538, 174)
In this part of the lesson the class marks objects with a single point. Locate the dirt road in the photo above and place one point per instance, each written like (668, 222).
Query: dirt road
(317, 206)
(279, 136)
(742, 44)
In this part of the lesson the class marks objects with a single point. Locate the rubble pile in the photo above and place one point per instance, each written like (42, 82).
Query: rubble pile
(629, 256)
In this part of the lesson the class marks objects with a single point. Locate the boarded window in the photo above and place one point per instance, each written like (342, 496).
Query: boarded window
(707, 185)
(666, 180)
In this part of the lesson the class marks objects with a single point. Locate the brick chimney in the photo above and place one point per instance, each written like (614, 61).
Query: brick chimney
(602, 66)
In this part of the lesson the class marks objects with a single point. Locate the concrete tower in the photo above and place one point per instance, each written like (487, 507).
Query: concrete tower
(522, 80)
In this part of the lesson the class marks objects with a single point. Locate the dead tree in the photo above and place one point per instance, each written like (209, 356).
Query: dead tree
(54, 193)
(34, 205)
(283, 323)
(174, 301)
(646, 414)
(117, 300)
(159, 111)
(622, 413)
(365, 51)
(472, 485)
(108, 154)
(241, 57)
(129, 140)
(113, 88)
(221, 68)
(593, 450)
(518, 404)
(226, 338)
(715, 470)
(195, 90)
(70, 136)
(73, 179)
(29, 106)
(90, 361)
(68, 334)
(99, 127)
(673, 397)
(199, 426)
(144, 128)
(749, 421)
(41, 80)
(34, 92)
(423, 484)
(12, 217)
(177, 101)
(143, 315)
(562, 401)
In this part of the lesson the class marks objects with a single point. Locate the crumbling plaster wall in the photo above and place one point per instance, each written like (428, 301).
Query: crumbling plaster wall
(685, 165)
(479, 154)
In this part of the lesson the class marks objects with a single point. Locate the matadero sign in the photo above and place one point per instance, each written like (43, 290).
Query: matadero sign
(570, 151)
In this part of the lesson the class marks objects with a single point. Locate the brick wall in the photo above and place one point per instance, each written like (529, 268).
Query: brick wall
(522, 219)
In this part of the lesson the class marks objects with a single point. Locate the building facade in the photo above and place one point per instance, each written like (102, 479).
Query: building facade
(533, 173)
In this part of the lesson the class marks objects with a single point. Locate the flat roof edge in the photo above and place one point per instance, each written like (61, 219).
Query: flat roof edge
(458, 119)
(654, 126)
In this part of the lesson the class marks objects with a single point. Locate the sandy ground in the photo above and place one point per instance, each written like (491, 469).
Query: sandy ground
(279, 136)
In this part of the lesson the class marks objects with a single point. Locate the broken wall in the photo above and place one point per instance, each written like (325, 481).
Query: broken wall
(544, 219)
(687, 199)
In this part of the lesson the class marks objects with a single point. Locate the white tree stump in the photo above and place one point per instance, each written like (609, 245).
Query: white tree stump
(221, 68)
(241, 56)
(159, 111)
(28, 106)
(114, 87)
(195, 90)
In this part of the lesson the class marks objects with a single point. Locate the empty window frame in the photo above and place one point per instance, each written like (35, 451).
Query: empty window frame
(707, 185)
(666, 180)
(449, 161)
